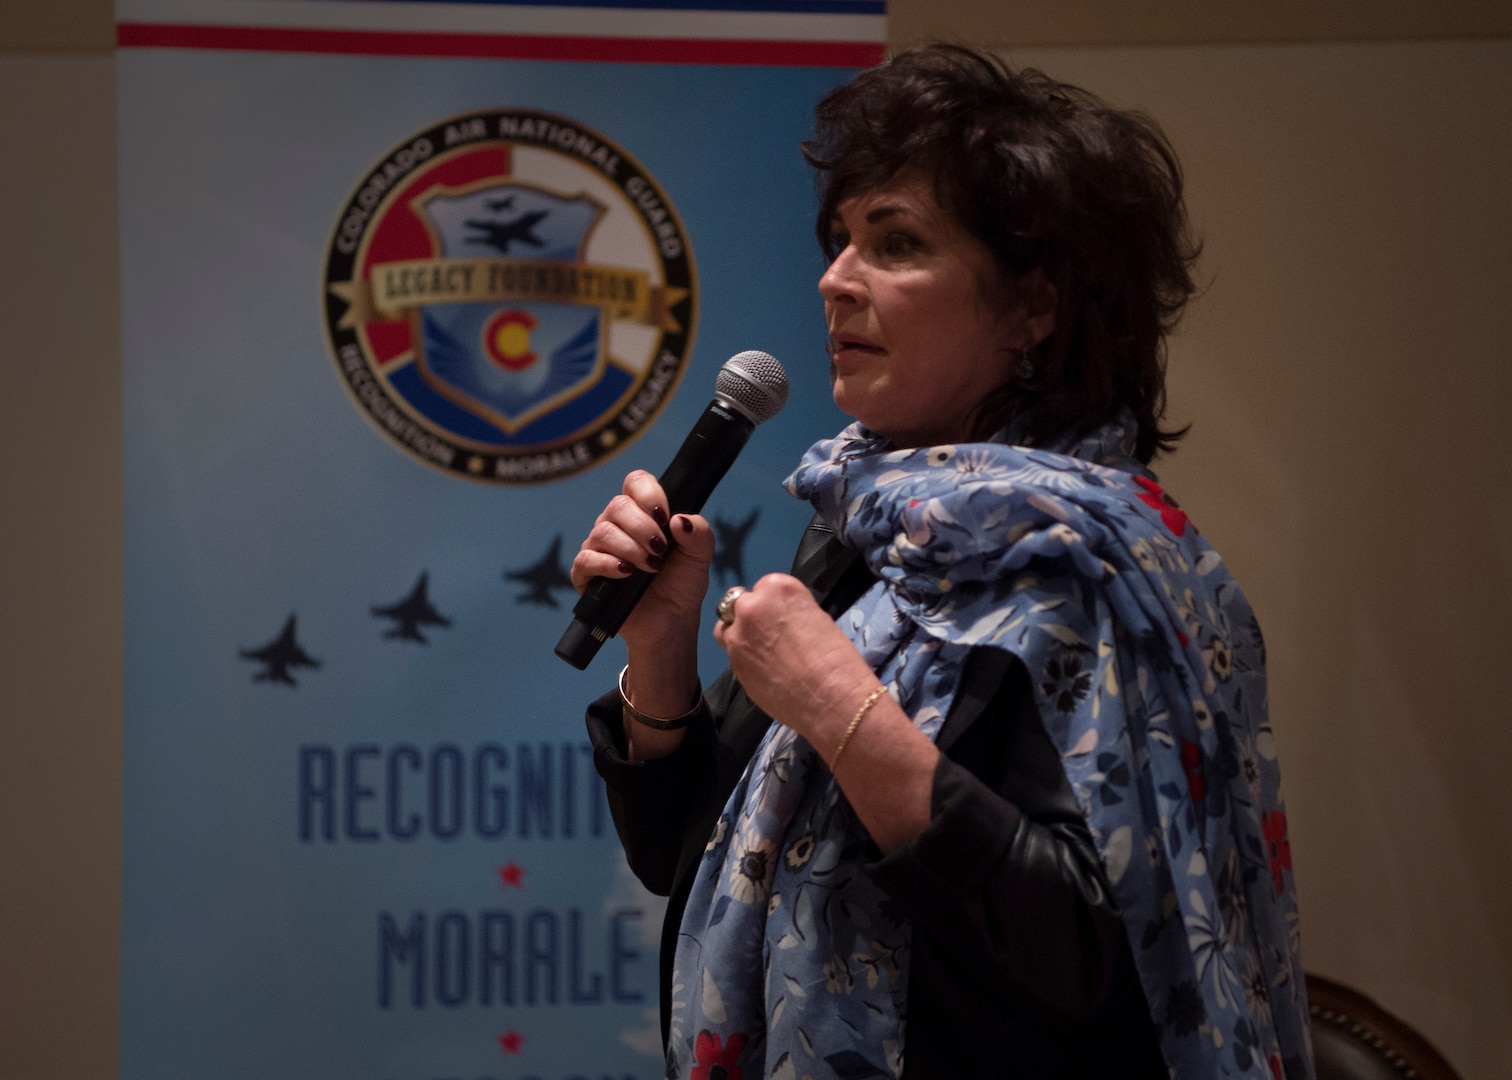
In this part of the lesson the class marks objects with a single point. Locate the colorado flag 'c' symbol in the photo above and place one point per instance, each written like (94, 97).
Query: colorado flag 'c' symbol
(506, 339)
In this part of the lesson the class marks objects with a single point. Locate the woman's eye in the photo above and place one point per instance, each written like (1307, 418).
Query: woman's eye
(895, 244)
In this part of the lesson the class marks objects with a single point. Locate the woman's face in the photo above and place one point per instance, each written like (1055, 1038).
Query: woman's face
(920, 324)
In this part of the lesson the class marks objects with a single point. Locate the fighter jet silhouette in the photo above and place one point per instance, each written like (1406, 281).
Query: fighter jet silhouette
(500, 234)
(542, 577)
(411, 613)
(506, 203)
(729, 548)
(280, 654)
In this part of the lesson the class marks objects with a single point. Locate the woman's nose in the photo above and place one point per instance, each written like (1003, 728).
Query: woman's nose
(839, 280)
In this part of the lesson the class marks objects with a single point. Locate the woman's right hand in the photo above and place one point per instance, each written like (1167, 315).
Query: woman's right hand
(632, 533)
(661, 633)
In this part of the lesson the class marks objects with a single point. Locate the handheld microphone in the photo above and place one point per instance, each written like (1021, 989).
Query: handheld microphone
(751, 388)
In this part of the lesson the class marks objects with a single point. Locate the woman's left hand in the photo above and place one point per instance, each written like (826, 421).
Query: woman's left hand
(800, 669)
(793, 662)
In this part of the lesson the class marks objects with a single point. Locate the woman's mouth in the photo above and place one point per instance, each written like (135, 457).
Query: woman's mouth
(852, 346)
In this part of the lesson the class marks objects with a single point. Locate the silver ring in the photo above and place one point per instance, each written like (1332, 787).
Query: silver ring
(726, 607)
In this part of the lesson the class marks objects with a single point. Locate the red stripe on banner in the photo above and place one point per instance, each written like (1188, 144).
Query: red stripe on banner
(502, 46)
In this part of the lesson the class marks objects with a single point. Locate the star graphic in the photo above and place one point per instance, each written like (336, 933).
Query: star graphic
(512, 875)
(511, 1041)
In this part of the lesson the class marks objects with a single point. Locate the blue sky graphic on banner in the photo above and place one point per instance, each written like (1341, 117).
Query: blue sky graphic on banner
(367, 422)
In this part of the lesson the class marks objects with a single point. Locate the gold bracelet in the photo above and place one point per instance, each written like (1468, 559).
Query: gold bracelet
(871, 699)
(657, 722)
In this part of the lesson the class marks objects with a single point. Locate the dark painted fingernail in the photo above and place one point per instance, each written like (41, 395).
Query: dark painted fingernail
(654, 561)
(625, 568)
(658, 545)
(687, 524)
(659, 515)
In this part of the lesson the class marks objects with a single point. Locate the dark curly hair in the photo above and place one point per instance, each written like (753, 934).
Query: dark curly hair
(1049, 177)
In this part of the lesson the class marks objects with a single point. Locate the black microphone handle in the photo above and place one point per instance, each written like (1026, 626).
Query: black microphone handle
(704, 458)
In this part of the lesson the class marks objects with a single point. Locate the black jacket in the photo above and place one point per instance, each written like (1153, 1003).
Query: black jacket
(1020, 963)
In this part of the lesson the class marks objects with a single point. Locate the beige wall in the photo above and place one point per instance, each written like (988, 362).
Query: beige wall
(1345, 375)
(1024, 23)
(60, 568)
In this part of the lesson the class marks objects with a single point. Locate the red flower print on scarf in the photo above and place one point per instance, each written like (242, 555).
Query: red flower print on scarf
(716, 1062)
(1274, 826)
(1191, 761)
(1155, 498)
(1275, 1064)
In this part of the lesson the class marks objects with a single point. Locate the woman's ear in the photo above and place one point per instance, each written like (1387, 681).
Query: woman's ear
(1039, 298)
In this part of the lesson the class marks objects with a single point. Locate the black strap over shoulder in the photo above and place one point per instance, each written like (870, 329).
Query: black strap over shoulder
(816, 534)
(982, 680)
(837, 575)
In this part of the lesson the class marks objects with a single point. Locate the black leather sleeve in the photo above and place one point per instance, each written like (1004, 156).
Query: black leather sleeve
(665, 809)
(648, 800)
(1005, 885)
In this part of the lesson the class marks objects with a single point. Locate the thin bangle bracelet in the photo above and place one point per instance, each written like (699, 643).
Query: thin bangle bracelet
(871, 699)
(674, 724)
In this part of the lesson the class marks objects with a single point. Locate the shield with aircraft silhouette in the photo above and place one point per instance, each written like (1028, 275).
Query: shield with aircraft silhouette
(510, 362)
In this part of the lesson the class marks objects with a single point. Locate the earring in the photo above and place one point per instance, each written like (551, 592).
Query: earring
(1024, 369)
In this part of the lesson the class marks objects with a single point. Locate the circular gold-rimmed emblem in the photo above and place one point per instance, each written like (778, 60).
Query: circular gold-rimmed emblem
(509, 296)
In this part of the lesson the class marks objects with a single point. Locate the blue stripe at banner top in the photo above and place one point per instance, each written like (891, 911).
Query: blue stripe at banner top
(781, 7)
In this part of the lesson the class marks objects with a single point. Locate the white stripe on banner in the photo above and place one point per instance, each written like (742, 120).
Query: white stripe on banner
(507, 19)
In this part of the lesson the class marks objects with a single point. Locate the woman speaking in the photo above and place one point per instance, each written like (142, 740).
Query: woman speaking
(988, 788)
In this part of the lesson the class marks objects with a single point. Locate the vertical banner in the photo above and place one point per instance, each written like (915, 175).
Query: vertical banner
(407, 289)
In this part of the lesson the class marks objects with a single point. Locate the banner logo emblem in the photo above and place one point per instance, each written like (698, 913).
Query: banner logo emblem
(509, 296)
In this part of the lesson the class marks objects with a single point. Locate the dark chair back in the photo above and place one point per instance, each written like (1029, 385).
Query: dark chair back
(1356, 1039)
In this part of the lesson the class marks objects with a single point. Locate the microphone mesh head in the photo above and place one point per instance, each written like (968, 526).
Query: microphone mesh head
(753, 383)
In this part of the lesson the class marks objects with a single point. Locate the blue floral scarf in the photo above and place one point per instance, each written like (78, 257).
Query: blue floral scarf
(1149, 673)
